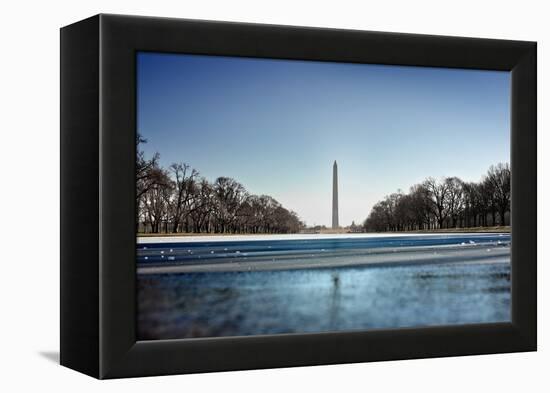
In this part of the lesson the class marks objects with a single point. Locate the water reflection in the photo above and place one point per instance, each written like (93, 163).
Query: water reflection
(316, 300)
(335, 301)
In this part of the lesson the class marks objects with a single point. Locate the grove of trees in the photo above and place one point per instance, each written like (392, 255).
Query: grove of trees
(446, 203)
(177, 199)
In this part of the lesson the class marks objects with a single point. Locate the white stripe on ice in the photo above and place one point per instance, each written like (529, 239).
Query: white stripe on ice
(218, 238)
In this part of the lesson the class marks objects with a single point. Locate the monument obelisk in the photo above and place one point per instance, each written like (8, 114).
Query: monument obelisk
(335, 196)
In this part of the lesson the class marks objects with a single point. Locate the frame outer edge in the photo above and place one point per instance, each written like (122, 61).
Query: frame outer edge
(122, 356)
(524, 194)
(116, 291)
(79, 289)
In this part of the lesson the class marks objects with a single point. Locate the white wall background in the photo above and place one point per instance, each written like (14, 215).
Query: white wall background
(29, 196)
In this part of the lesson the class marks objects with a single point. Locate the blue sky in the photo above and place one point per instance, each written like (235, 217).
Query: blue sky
(278, 125)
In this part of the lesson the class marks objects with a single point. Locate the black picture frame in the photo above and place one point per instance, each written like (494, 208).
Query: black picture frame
(98, 237)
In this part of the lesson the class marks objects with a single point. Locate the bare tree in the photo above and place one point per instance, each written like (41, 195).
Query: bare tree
(177, 200)
(499, 178)
(455, 200)
(155, 204)
(487, 202)
(446, 203)
(148, 172)
(230, 195)
(203, 205)
(421, 206)
(472, 203)
(184, 191)
(438, 193)
(376, 221)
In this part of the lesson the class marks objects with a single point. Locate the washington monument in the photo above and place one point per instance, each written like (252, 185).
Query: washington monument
(335, 196)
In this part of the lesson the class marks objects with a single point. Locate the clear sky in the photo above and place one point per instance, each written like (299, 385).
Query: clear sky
(277, 126)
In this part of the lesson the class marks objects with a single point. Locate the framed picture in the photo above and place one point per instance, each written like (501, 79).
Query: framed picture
(239, 196)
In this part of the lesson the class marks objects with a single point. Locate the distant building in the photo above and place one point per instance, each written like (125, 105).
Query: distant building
(355, 228)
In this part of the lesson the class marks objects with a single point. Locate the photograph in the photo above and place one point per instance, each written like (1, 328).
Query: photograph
(279, 196)
(271, 197)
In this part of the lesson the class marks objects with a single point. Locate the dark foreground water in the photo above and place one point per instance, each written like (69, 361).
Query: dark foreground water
(237, 303)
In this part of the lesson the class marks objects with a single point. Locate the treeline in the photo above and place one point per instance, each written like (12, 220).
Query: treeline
(447, 203)
(177, 199)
